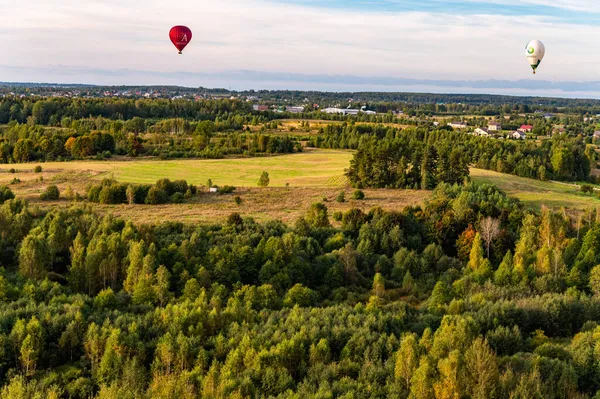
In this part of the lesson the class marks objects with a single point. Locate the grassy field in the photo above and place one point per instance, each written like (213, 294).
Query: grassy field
(312, 176)
(309, 169)
(536, 193)
(313, 168)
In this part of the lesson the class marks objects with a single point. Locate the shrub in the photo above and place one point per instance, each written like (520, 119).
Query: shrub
(15, 180)
(69, 193)
(235, 219)
(359, 195)
(177, 198)
(156, 196)
(167, 186)
(341, 197)
(94, 193)
(238, 200)
(5, 194)
(51, 194)
(140, 192)
(113, 194)
(586, 188)
(12, 170)
(226, 190)
(264, 180)
(337, 216)
(38, 169)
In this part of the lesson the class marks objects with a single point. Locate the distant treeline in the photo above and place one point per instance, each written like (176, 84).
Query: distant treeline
(103, 138)
(278, 96)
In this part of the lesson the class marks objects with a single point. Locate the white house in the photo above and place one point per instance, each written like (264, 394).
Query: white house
(295, 110)
(347, 111)
(519, 136)
(482, 132)
(214, 189)
(494, 127)
(458, 125)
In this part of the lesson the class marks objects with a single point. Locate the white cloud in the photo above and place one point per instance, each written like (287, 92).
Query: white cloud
(265, 36)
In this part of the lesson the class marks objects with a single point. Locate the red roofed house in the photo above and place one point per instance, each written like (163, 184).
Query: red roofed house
(526, 128)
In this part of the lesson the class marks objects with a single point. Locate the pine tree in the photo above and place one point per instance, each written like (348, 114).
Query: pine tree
(451, 384)
(503, 276)
(421, 386)
(476, 257)
(136, 264)
(526, 248)
(33, 257)
(406, 361)
(379, 286)
(163, 278)
(482, 370)
(77, 276)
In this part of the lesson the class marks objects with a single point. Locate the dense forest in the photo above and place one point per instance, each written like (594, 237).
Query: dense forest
(468, 296)
(422, 157)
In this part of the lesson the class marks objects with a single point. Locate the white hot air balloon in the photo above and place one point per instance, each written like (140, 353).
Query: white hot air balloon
(535, 52)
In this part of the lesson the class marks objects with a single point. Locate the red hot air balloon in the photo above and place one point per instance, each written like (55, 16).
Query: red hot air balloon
(180, 36)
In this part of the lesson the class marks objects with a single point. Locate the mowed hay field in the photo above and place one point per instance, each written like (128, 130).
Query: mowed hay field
(313, 176)
(536, 193)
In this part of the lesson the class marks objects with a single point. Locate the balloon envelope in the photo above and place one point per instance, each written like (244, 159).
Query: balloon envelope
(535, 52)
(180, 36)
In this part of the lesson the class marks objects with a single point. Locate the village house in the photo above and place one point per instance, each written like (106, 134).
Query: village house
(518, 136)
(457, 125)
(482, 132)
(526, 129)
(494, 127)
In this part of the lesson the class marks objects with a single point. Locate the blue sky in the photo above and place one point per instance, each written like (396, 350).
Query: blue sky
(439, 45)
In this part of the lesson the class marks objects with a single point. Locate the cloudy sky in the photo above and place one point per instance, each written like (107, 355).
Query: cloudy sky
(414, 45)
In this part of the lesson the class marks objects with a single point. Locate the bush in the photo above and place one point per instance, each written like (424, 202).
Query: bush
(15, 180)
(235, 219)
(264, 180)
(586, 188)
(5, 194)
(51, 194)
(226, 190)
(341, 197)
(238, 200)
(140, 192)
(177, 198)
(38, 169)
(156, 196)
(337, 216)
(359, 195)
(94, 193)
(113, 194)
(12, 170)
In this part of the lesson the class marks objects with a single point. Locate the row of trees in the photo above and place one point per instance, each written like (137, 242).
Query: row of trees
(109, 191)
